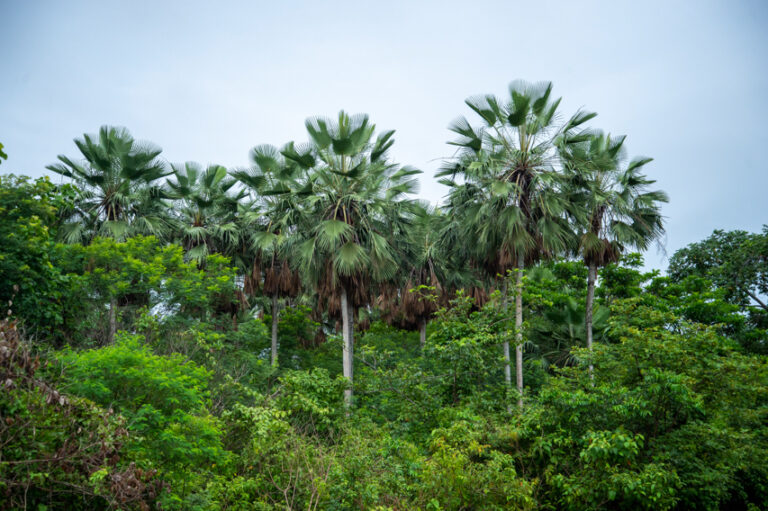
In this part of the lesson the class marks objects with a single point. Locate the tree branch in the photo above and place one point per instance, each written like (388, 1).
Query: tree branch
(758, 300)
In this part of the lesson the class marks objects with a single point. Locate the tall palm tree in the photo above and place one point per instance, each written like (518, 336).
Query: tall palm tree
(357, 207)
(618, 211)
(275, 185)
(206, 212)
(119, 196)
(510, 195)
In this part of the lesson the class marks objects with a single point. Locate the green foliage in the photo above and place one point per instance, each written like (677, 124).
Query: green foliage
(237, 358)
(164, 400)
(358, 202)
(205, 222)
(610, 200)
(296, 331)
(276, 467)
(509, 204)
(555, 298)
(29, 273)
(735, 261)
(117, 195)
(139, 275)
(170, 393)
(61, 451)
(463, 352)
(312, 399)
(736, 265)
(464, 472)
(638, 428)
(623, 279)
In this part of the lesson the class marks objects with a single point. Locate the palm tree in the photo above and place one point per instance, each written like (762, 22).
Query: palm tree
(510, 199)
(430, 270)
(617, 210)
(270, 221)
(356, 208)
(206, 212)
(118, 197)
(117, 194)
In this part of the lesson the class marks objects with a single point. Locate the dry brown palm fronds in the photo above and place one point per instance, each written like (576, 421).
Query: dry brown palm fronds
(605, 253)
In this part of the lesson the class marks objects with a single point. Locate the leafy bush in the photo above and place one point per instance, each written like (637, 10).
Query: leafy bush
(60, 451)
(164, 400)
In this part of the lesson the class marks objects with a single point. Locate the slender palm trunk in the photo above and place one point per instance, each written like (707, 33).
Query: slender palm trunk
(352, 317)
(591, 278)
(507, 360)
(346, 329)
(422, 332)
(112, 320)
(275, 319)
(519, 329)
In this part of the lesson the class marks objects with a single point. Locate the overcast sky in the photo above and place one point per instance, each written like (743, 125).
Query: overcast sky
(687, 82)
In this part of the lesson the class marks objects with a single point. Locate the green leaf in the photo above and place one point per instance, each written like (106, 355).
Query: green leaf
(350, 259)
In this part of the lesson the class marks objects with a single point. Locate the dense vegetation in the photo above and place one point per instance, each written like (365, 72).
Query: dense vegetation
(304, 334)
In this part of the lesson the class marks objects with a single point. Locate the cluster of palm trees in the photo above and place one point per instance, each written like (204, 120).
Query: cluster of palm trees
(335, 220)
(532, 188)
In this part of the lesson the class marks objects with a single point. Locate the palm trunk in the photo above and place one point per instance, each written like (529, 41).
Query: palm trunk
(275, 320)
(422, 332)
(346, 329)
(352, 317)
(591, 278)
(112, 320)
(507, 361)
(519, 329)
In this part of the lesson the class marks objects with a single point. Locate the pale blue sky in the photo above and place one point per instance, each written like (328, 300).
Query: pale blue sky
(686, 81)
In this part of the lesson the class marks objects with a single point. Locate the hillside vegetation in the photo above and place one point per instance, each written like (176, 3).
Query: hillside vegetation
(306, 334)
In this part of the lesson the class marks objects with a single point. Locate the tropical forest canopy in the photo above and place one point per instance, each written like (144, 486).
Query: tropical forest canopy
(305, 333)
